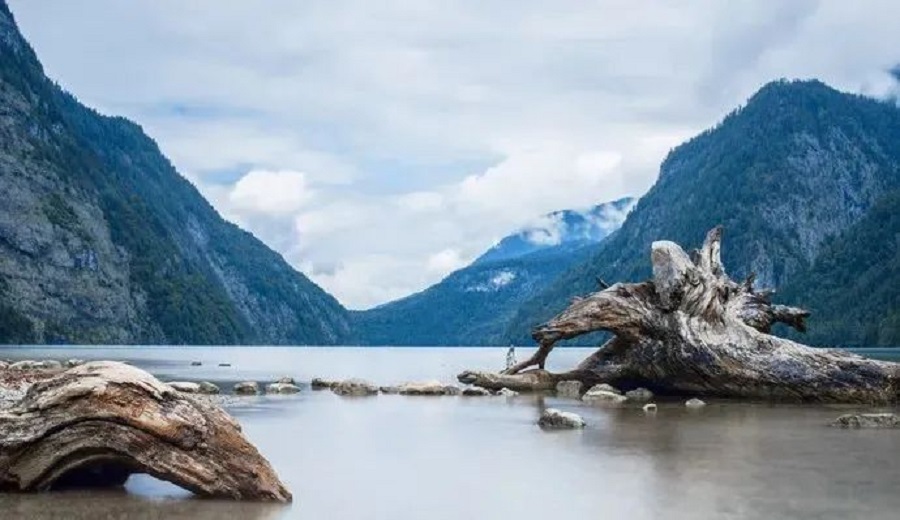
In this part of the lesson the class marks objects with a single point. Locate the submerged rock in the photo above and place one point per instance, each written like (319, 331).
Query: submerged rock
(282, 388)
(868, 420)
(695, 403)
(185, 386)
(600, 395)
(506, 392)
(569, 389)
(354, 387)
(247, 388)
(553, 419)
(475, 391)
(639, 394)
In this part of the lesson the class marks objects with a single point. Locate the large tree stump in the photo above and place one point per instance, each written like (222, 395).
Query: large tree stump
(691, 330)
(96, 424)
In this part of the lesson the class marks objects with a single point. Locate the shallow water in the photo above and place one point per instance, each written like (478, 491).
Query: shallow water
(398, 457)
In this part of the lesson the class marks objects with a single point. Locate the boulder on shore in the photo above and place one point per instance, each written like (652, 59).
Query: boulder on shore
(868, 420)
(570, 388)
(354, 387)
(282, 388)
(247, 388)
(553, 419)
(96, 424)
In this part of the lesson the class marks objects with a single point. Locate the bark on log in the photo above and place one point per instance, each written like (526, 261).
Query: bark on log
(691, 330)
(96, 424)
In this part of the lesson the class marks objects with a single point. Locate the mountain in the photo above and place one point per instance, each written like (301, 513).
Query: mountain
(560, 231)
(853, 286)
(799, 165)
(471, 306)
(102, 241)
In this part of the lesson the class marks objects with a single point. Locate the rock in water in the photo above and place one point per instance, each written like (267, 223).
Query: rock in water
(695, 403)
(553, 419)
(354, 387)
(423, 388)
(287, 381)
(569, 389)
(321, 384)
(28, 364)
(452, 390)
(246, 388)
(868, 420)
(600, 394)
(474, 391)
(196, 363)
(639, 394)
(603, 387)
(506, 392)
(186, 387)
(282, 388)
(649, 408)
(98, 423)
(208, 388)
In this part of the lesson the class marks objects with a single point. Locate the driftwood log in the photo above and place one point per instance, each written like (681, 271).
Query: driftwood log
(691, 330)
(98, 423)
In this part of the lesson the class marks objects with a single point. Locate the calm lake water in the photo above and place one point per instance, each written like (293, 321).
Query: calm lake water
(397, 457)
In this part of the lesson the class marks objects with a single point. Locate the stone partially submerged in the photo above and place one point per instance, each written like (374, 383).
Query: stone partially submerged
(98, 423)
(691, 330)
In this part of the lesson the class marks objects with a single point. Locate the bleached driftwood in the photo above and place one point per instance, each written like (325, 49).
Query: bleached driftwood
(98, 423)
(691, 330)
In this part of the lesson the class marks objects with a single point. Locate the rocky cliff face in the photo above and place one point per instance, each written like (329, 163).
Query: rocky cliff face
(102, 241)
(471, 306)
(798, 164)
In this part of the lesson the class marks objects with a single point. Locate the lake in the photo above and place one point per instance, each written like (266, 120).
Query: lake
(404, 457)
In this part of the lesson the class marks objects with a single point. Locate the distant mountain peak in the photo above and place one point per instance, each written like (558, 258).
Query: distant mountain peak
(568, 228)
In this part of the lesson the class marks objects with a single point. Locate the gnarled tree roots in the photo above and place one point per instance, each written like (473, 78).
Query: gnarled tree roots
(96, 424)
(691, 330)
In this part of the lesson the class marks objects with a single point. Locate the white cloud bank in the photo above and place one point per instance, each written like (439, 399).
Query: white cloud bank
(427, 130)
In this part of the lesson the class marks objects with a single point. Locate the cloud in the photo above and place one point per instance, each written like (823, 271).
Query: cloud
(426, 127)
(270, 192)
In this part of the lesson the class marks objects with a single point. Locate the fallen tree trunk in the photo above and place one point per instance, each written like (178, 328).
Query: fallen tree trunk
(96, 424)
(691, 330)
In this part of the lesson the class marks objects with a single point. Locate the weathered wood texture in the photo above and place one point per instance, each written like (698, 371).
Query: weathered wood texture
(96, 424)
(691, 330)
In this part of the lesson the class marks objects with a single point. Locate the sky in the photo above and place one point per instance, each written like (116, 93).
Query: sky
(378, 146)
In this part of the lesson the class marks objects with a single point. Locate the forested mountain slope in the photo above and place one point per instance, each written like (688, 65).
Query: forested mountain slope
(102, 241)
